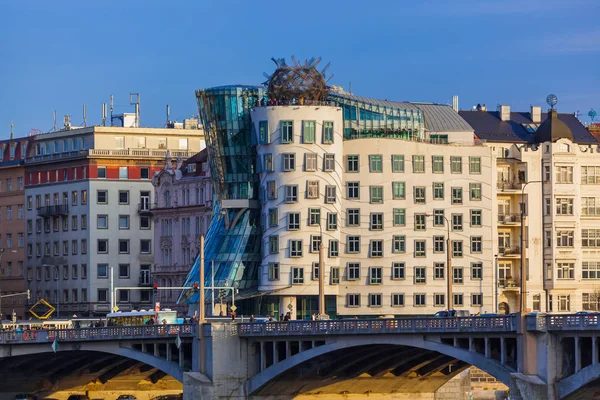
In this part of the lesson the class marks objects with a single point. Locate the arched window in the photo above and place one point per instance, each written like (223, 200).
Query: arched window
(167, 199)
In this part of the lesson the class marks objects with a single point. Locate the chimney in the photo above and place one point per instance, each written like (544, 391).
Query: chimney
(455, 103)
(505, 113)
(536, 114)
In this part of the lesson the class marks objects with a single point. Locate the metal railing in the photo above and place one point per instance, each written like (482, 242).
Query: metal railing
(510, 251)
(98, 334)
(57, 209)
(509, 218)
(380, 326)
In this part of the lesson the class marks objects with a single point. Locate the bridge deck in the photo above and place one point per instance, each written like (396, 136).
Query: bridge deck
(381, 326)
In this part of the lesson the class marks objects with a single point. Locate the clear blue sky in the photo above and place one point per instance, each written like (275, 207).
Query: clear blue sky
(64, 53)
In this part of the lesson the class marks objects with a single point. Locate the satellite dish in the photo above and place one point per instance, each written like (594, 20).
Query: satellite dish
(592, 114)
(552, 100)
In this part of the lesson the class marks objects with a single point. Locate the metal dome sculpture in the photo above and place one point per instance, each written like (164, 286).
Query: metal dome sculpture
(298, 81)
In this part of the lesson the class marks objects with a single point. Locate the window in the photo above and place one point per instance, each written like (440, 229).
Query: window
(334, 248)
(564, 238)
(295, 248)
(102, 246)
(376, 275)
(590, 175)
(376, 194)
(353, 244)
(397, 163)
(437, 164)
(475, 218)
(330, 194)
(273, 244)
(263, 132)
(590, 237)
(420, 248)
(457, 275)
(374, 299)
(312, 189)
(418, 163)
(310, 162)
(102, 295)
(457, 197)
(420, 222)
(101, 172)
(145, 223)
(475, 165)
(565, 270)
(314, 216)
(438, 191)
(145, 246)
(102, 221)
(352, 164)
(397, 300)
(375, 163)
(457, 248)
(399, 244)
(590, 206)
(102, 271)
(456, 165)
(353, 300)
(287, 131)
(399, 190)
(83, 221)
(123, 246)
(291, 193)
(564, 302)
(438, 218)
(297, 275)
(376, 221)
(273, 271)
(123, 173)
(419, 192)
(376, 248)
(459, 299)
(268, 163)
(29, 203)
(353, 271)
(457, 222)
(293, 221)
(419, 299)
(332, 221)
(590, 301)
(438, 244)
(564, 174)
(289, 162)
(327, 132)
(315, 242)
(328, 162)
(476, 244)
(475, 191)
(83, 197)
(398, 271)
(353, 190)
(438, 270)
(399, 216)
(273, 218)
(102, 197)
(271, 190)
(123, 271)
(564, 206)
(123, 197)
(65, 246)
(144, 173)
(83, 271)
(476, 271)
(439, 299)
(308, 131)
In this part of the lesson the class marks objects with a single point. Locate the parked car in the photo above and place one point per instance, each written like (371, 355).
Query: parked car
(126, 397)
(78, 397)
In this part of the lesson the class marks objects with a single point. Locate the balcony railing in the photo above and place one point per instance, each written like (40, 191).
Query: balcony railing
(48, 211)
(129, 153)
(144, 208)
(508, 283)
(509, 218)
(510, 251)
(509, 185)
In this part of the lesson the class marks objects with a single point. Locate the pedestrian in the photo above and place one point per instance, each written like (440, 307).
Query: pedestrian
(251, 318)
(164, 321)
(150, 321)
(233, 315)
(287, 317)
(193, 320)
(314, 317)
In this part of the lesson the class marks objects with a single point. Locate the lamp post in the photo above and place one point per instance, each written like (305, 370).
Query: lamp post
(523, 274)
(57, 288)
(448, 262)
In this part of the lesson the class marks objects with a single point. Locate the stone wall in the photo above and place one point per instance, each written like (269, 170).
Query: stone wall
(457, 388)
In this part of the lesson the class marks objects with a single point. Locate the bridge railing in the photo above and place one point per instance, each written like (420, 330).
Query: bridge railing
(572, 322)
(96, 334)
(379, 326)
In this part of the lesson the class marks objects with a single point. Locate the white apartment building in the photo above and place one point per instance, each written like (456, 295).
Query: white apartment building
(88, 213)
(381, 204)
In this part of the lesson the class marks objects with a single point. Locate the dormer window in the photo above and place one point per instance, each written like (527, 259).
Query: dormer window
(191, 168)
(13, 150)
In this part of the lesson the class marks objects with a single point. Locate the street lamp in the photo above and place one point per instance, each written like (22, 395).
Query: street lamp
(523, 245)
(450, 274)
(2, 251)
(57, 288)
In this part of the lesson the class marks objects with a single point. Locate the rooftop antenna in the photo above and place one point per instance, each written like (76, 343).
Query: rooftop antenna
(84, 116)
(67, 122)
(350, 87)
(134, 99)
(54, 115)
(12, 133)
(168, 113)
(112, 107)
(551, 99)
(103, 114)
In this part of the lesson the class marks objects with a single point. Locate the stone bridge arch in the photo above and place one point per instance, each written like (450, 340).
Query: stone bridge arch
(348, 344)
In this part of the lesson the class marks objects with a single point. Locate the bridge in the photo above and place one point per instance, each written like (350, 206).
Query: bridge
(537, 356)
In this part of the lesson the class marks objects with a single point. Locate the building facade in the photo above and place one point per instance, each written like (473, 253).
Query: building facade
(182, 212)
(13, 153)
(88, 214)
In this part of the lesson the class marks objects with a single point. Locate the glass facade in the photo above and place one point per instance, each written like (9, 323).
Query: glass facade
(364, 118)
(234, 236)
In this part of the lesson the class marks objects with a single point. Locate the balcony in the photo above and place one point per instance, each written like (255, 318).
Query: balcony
(144, 209)
(509, 186)
(512, 252)
(509, 219)
(509, 284)
(145, 279)
(50, 211)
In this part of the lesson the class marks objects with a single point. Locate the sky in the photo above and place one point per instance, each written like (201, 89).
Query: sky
(62, 54)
